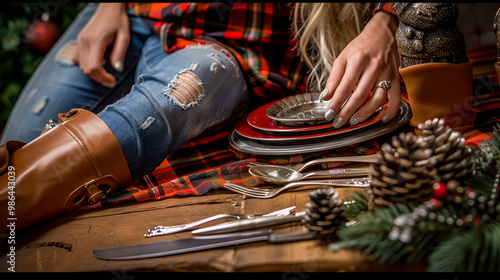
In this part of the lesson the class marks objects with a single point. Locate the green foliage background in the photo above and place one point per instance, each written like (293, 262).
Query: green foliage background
(18, 61)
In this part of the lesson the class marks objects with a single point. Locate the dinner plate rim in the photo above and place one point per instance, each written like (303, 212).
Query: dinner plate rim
(259, 121)
(259, 148)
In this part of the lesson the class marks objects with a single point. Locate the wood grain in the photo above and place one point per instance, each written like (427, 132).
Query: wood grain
(65, 244)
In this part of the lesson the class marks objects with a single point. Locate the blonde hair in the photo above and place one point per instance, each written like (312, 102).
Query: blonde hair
(323, 30)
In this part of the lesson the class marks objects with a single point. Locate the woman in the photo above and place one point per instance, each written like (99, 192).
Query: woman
(199, 65)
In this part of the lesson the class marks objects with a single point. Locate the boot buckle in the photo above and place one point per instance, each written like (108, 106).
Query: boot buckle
(91, 192)
(98, 188)
(91, 200)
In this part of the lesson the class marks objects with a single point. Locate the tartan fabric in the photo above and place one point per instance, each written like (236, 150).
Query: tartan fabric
(259, 35)
(204, 164)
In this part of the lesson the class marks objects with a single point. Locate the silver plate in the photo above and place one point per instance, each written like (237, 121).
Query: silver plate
(298, 110)
(253, 147)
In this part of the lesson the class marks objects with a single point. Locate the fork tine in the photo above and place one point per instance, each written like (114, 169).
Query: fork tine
(245, 190)
(238, 190)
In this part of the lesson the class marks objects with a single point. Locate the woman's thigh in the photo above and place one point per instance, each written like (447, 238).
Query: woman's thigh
(59, 85)
(185, 94)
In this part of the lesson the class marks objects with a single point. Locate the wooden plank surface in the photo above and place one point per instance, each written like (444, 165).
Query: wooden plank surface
(65, 244)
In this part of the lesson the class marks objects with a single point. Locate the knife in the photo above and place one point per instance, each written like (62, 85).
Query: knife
(242, 225)
(181, 246)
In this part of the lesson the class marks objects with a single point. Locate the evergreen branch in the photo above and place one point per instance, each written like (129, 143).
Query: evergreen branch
(481, 183)
(474, 250)
(450, 239)
(359, 206)
(488, 156)
(370, 236)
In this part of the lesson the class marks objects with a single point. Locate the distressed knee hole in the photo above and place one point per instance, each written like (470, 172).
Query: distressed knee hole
(185, 89)
(65, 54)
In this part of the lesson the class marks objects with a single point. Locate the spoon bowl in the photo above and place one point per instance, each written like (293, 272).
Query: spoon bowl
(280, 175)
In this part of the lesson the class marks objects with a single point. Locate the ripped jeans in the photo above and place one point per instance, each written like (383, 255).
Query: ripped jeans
(174, 97)
(187, 93)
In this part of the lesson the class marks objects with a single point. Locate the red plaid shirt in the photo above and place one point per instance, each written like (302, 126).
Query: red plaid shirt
(259, 35)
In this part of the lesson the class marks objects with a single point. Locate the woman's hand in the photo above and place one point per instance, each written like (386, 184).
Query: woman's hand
(367, 60)
(108, 26)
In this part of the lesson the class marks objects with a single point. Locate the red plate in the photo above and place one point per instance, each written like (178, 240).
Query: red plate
(259, 121)
(244, 128)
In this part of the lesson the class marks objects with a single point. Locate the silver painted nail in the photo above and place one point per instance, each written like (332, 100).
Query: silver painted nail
(118, 65)
(109, 85)
(329, 115)
(386, 118)
(354, 121)
(323, 94)
(338, 122)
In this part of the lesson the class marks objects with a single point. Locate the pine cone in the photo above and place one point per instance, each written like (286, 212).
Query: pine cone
(452, 158)
(324, 212)
(404, 172)
(407, 170)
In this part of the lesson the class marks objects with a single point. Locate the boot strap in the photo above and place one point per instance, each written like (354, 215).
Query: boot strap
(91, 192)
(6, 149)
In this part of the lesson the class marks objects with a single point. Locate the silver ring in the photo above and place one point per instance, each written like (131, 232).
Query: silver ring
(383, 84)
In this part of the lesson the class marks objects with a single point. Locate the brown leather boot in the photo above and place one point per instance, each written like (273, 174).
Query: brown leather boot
(441, 90)
(75, 163)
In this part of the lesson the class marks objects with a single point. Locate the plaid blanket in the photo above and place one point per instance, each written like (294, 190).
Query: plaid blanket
(205, 164)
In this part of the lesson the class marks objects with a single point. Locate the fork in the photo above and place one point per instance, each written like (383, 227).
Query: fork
(162, 230)
(301, 166)
(268, 193)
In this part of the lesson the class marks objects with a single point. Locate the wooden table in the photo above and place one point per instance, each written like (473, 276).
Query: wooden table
(65, 244)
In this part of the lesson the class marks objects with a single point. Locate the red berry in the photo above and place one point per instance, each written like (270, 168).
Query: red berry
(477, 222)
(464, 219)
(436, 203)
(439, 190)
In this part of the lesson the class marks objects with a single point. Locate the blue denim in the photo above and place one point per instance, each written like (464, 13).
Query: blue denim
(59, 86)
(151, 121)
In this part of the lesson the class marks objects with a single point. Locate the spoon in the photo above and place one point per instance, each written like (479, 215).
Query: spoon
(278, 174)
(302, 166)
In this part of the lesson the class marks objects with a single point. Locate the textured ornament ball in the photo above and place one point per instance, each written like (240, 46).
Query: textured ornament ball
(42, 35)
(324, 211)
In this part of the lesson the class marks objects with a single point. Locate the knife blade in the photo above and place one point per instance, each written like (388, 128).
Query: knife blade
(242, 225)
(181, 246)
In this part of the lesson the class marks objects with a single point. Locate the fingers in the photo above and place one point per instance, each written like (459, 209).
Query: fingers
(340, 85)
(359, 81)
(376, 101)
(361, 105)
(94, 65)
(394, 95)
(89, 55)
(120, 46)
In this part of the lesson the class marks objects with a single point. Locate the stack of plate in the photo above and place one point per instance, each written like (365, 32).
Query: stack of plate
(297, 125)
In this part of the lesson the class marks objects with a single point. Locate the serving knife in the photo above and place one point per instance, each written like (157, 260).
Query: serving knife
(181, 246)
(242, 225)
